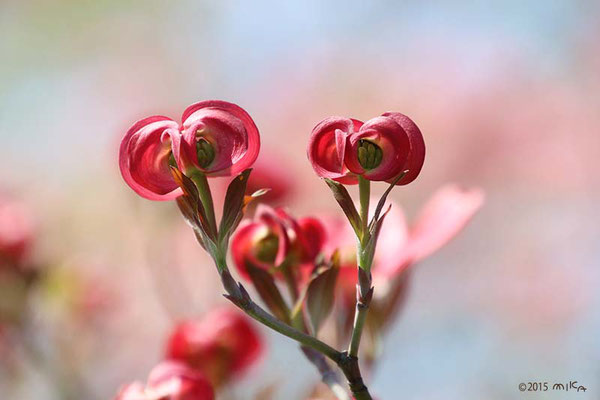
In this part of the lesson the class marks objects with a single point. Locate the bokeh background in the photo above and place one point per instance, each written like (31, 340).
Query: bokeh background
(507, 94)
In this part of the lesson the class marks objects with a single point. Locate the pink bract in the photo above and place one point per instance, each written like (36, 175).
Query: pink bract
(327, 148)
(228, 128)
(144, 158)
(400, 245)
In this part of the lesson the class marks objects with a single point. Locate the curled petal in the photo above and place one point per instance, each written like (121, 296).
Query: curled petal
(392, 142)
(442, 218)
(144, 158)
(416, 155)
(230, 132)
(327, 148)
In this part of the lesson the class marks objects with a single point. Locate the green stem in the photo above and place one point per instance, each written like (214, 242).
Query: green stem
(242, 299)
(364, 189)
(363, 289)
(205, 197)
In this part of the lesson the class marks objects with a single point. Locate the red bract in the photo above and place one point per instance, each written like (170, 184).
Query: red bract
(327, 148)
(216, 137)
(145, 154)
(379, 150)
(170, 381)
(16, 231)
(223, 344)
(272, 237)
(219, 138)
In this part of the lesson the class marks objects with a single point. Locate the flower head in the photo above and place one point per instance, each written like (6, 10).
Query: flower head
(216, 138)
(223, 344)
(379, 150)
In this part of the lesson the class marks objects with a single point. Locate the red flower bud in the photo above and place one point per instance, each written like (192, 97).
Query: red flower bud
(170, 381)
(223, 344)
(274, 236)
(219, 138)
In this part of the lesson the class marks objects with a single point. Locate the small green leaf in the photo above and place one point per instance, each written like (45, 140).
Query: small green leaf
(269, 293)
(320, 294)
(343, 198)
(375, 228)
(234, 204)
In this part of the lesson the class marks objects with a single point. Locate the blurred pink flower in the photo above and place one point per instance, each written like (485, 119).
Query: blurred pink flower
(379, 150)
(16, 231)
(216, 137)
(169, 381)
(270, 173)
(272, 237)
(222, 344)
(399, 246)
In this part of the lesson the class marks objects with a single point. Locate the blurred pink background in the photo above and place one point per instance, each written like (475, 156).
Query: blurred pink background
(507, 97)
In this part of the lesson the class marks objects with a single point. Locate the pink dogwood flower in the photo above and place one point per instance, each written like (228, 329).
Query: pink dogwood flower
(216, 137)
(379, 150)
(169, 381)
(399, 245)
(272, 237)
(222, 345)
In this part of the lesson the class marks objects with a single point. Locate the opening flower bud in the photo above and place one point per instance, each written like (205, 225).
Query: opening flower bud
(205, 152)
(369, 154)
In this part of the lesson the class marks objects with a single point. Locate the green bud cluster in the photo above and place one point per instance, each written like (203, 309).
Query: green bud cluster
(205, 151)
(369, 154)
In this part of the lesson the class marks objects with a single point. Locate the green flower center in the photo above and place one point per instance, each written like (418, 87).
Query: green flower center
(369, 154)
(266, 248)
(205, 152)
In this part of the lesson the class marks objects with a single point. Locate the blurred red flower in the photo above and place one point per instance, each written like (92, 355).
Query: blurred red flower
(170, 381)
(221, 345)
(16, 231)
(400, 245)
